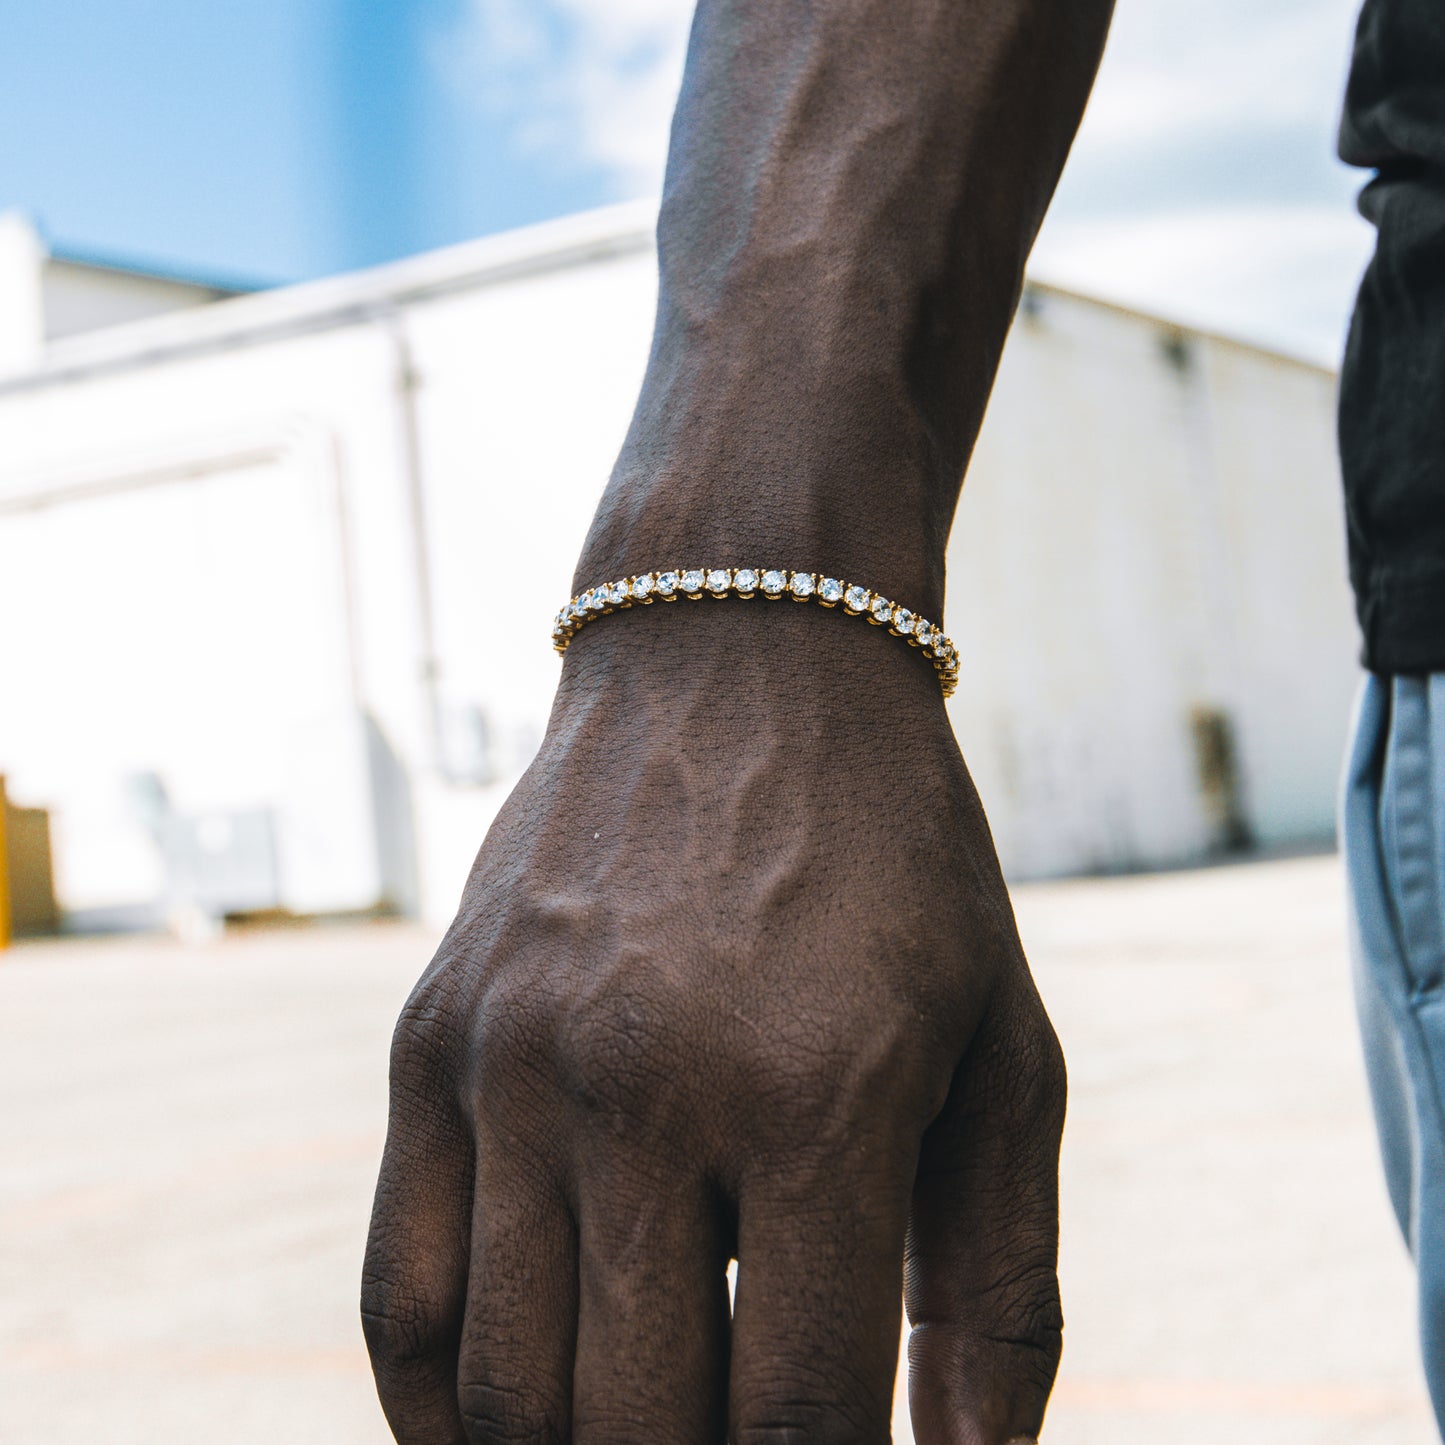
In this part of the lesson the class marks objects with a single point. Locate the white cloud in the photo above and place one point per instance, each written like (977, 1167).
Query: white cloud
(1201, 185)
(1175, 68)
(590, 81)
(1282, 276)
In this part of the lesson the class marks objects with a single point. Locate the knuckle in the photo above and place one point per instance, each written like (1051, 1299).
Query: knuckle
(617, 1424)
(494, 1414)
(822, 1401)
(860, 1071)
(1022, 1069)
(400, 1328)
(423, 1043)
(1045, 1078)
(618, 1053)
(1026, 1311)
(1019, 1320)
(513, 1037)
(793, 1420)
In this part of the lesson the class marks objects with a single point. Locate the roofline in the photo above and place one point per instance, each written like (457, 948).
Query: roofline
(379, 291)
(153, 271)
(356, 296)
(1312, 362)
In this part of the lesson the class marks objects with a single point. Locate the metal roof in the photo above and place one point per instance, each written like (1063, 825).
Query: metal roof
(379, 291)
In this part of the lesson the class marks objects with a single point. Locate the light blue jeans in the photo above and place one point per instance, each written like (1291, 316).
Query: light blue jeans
(1392, 830)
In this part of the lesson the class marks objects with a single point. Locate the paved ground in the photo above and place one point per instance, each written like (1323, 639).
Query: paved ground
(188, 1137)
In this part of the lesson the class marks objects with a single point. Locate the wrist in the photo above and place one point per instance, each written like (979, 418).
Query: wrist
(657, 533)
(704, 660)
(735, 463)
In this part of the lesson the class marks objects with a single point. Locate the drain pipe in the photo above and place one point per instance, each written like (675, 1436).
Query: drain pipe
(407, 380)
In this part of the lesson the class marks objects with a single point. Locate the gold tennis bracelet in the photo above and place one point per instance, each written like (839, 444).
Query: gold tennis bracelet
(772, 583)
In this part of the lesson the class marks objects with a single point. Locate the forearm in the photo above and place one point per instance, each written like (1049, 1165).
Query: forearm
(852, 191)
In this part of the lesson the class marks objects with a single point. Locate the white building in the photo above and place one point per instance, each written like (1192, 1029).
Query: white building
(277, 574)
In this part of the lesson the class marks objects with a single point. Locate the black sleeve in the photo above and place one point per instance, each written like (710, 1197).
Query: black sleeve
(1392, 390)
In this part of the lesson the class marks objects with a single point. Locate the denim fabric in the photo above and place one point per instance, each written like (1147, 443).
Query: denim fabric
(1392, 830)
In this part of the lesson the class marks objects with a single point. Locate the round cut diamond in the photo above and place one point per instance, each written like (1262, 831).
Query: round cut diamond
(692, 580)
(745, 580)
(719, 580)
(903, 620)
(802, 584)
(830, 589)
(882, 610)
(855, 599)
(595, 600)
(617, 593)
(774, 582)
(642, 586)
(667, 583)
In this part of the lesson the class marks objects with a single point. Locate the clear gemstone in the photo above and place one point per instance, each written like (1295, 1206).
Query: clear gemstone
(855, 599)
(802, 584)
(882, 610)
(642, 586)
(595, 600)
(773, 582)
(904, 620)
(719, 580)
(667, 583)
(577, 606)
(830, 589)
(746, 579)
(692, 580)
(924, 633)
(617, 593)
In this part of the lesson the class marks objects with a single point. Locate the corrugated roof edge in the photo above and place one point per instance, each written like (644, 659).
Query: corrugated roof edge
(1201, 330)
(359, 295)
(336, 300)
(156, 271)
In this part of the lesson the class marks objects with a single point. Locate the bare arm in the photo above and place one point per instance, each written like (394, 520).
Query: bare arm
(735, 974)
(852, 191)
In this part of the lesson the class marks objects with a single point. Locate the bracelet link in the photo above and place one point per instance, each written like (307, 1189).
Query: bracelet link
(744, 583)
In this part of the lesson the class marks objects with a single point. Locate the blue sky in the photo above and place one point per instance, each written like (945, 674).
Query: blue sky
(283, 139)
(270, 140)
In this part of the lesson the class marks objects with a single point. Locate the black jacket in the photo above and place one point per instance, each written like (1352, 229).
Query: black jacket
(1392, 387)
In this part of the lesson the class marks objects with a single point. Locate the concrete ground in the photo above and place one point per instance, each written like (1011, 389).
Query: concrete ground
(188, 1139)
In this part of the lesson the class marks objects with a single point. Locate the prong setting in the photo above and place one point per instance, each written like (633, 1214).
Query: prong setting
(772, 582)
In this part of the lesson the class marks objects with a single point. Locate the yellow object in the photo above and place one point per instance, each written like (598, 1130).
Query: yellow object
(4, 875)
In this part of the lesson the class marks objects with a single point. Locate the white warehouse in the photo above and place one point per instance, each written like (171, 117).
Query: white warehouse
(277, 574)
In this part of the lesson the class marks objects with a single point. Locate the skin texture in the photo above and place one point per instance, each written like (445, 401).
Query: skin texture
(735, 974)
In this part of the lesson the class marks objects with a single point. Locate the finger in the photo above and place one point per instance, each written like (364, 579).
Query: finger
(815, 1327)
(981, 1282)
(515, 1366)
(653, 1324)
(414, 1279)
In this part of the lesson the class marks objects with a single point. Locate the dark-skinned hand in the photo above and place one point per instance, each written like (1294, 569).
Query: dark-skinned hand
(735, 975)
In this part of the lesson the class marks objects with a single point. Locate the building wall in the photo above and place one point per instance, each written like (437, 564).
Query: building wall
(1148, 561)
(79, 297)
(297, 555)
(46, 298)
